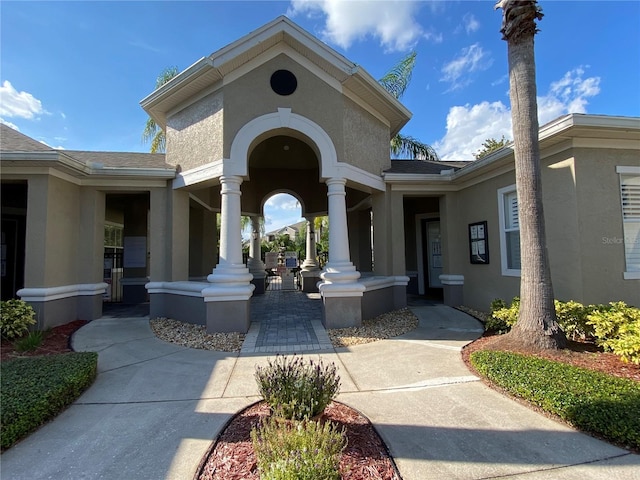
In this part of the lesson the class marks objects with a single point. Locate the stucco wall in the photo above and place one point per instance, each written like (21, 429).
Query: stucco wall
(366, 140)
(581, 195)
(250, 96)
(52, 232)
(600, 225)
(194, 134)
(482, 283)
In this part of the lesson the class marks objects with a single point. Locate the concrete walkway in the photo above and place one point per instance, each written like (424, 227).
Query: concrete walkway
(155, 409)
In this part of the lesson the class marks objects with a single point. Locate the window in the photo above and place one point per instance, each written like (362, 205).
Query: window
(113, 235)
(630, 199)
(509, 231)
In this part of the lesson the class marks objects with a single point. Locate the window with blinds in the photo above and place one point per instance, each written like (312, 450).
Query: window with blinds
(630, 197)
(509, 231)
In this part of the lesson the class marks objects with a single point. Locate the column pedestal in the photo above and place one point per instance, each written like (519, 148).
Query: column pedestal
(227, 299)
(340, 290)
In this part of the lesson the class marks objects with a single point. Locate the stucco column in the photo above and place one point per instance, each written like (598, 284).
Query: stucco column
(230, 280)
(255, 264)
(310, 263)
(339, 288)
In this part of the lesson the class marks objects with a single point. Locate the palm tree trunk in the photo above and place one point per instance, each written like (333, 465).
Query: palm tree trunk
(537, 326)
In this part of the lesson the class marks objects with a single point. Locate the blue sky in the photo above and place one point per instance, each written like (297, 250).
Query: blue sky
(72, 73)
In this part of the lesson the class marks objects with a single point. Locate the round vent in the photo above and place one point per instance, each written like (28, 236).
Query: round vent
(283, 82)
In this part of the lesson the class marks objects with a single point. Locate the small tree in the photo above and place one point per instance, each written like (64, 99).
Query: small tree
(490, 145)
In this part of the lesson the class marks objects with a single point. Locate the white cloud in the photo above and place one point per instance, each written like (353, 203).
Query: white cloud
(14, 104)
(9, 124)
(281, 210)
(471, 59)
(59, 147)
(282, 201)
(471, 24)
(468, 126)
(568, 95)
(392, 22)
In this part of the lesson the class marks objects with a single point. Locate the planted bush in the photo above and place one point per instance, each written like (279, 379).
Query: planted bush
(296, 388)
(617, 328)
(16, 316)
(591, 401)
(29, 342)
(306, 450)
(502, 317)
(34, 390)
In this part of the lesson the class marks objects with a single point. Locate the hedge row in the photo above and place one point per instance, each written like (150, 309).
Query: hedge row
(591, 401)
(34, 390)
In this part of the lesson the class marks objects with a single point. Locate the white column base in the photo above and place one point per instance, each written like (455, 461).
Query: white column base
(229, 283)
(341, 281)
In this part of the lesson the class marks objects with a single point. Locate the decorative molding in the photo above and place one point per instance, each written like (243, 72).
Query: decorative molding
(198, 175)
(449, 279)
(186, 289)
(380, 282)
(47, 294)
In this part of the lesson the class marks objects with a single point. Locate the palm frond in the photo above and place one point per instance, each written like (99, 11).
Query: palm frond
(396, 80)
(408, 147)
(152, 131)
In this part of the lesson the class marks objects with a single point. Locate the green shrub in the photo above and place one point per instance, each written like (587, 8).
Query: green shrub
(305, 450)
(34, 390)
(502, 317)
(591, 401)
(29, 342)
(296, 388)
(572, 318)
(617, 328)
(16, 316)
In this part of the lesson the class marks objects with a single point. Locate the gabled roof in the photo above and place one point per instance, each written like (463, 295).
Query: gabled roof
(210, 70)
(13, 141)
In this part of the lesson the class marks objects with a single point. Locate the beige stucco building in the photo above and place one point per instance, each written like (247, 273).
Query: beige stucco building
(279, 111)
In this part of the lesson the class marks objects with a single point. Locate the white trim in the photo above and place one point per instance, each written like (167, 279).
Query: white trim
(185, 289)
(330, 167)
(378, 282)
(449, 279)
(507, 272)
(199, 174)
(630, 234)
(47, 294)
(283, 118)
(287, 50)
(628, 170)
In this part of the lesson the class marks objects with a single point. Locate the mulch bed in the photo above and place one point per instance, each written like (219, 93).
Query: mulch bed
(55, 341)
(365, 458)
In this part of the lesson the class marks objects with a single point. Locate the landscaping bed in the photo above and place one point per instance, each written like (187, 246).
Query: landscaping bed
(232, 456)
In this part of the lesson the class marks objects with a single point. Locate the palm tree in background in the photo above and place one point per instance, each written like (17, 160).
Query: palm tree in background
(396, 81)
(152, 132)
(537, 325)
